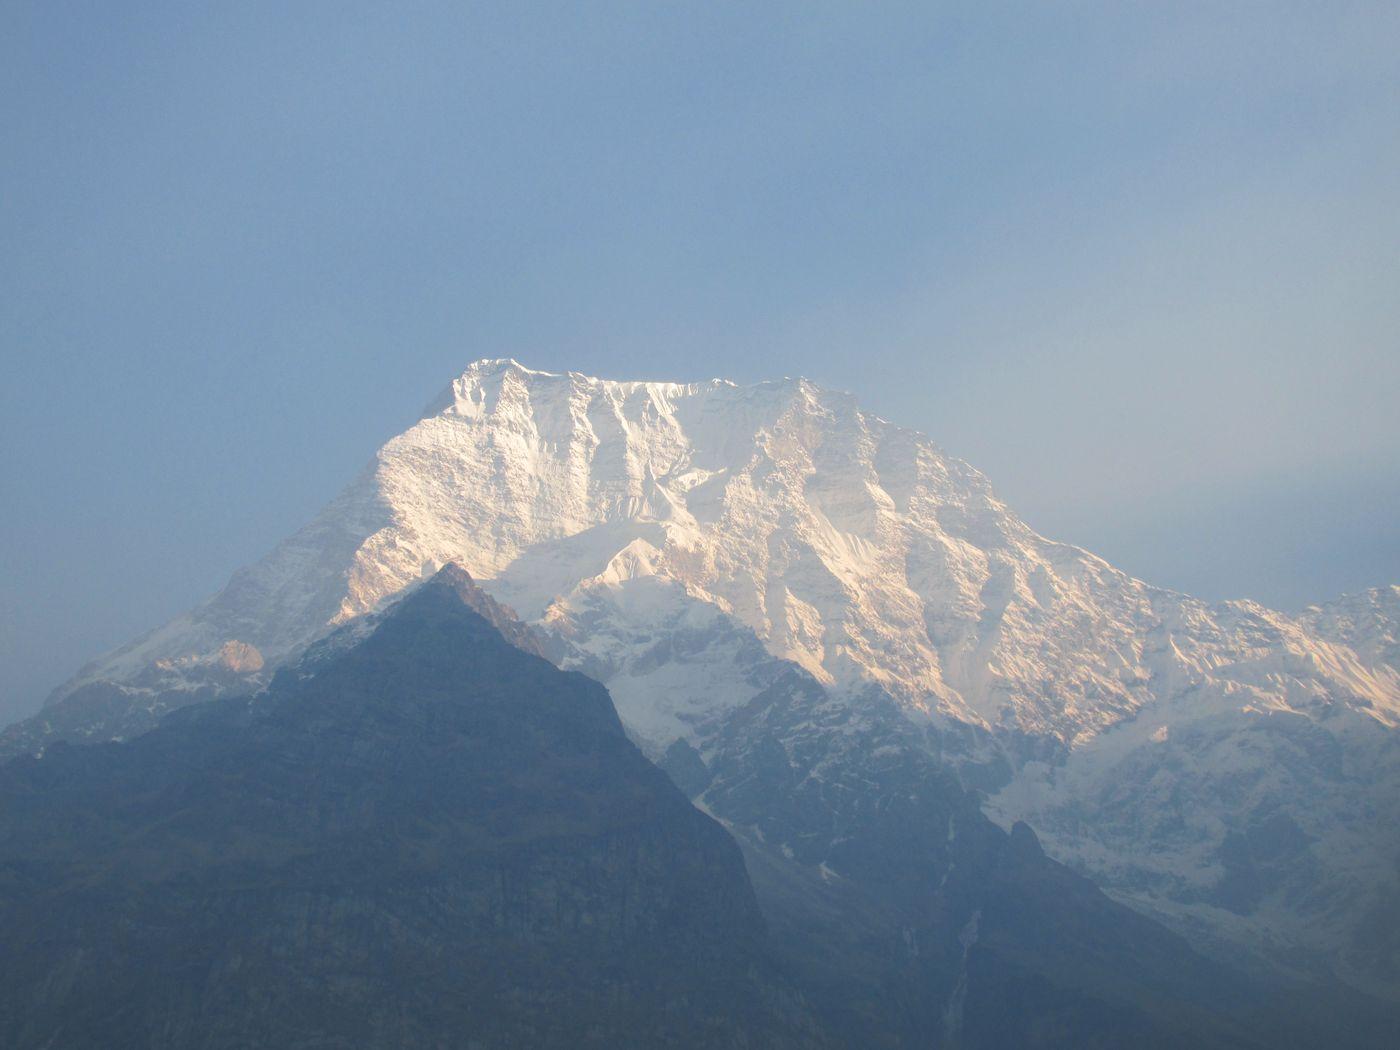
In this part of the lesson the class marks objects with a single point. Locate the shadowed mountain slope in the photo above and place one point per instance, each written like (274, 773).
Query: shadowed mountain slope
(910, 919)
(435, 839)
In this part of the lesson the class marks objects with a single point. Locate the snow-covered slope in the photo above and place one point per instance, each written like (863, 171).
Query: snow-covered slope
(1368, 623)
(675, 539)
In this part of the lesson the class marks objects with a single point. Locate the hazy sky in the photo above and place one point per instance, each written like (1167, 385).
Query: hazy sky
(1138, 262)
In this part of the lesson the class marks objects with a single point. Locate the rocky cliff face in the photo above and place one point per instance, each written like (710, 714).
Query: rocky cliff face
(1229, 768)
(433, 837)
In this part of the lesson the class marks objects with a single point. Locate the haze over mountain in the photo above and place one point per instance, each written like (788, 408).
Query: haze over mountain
(1229, 769)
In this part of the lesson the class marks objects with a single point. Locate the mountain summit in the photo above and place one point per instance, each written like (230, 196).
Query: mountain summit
(1226, 767)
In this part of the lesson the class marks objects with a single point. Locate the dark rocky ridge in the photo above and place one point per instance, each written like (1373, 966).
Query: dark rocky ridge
(436, 839)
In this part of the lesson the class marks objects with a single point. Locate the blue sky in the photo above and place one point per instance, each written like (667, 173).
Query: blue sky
(1139, 263)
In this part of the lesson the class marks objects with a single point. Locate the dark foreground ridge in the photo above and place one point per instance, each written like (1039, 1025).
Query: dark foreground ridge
(438, 839)
(426, 835)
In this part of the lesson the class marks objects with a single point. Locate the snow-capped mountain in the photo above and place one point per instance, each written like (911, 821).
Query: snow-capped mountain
(1228, 767)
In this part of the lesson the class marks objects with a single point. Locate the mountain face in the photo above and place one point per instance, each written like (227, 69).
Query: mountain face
(1228, 769)
(431, 832)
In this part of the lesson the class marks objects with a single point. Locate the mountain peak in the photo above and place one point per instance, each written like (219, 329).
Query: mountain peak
(484, 385)
(456, 583)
